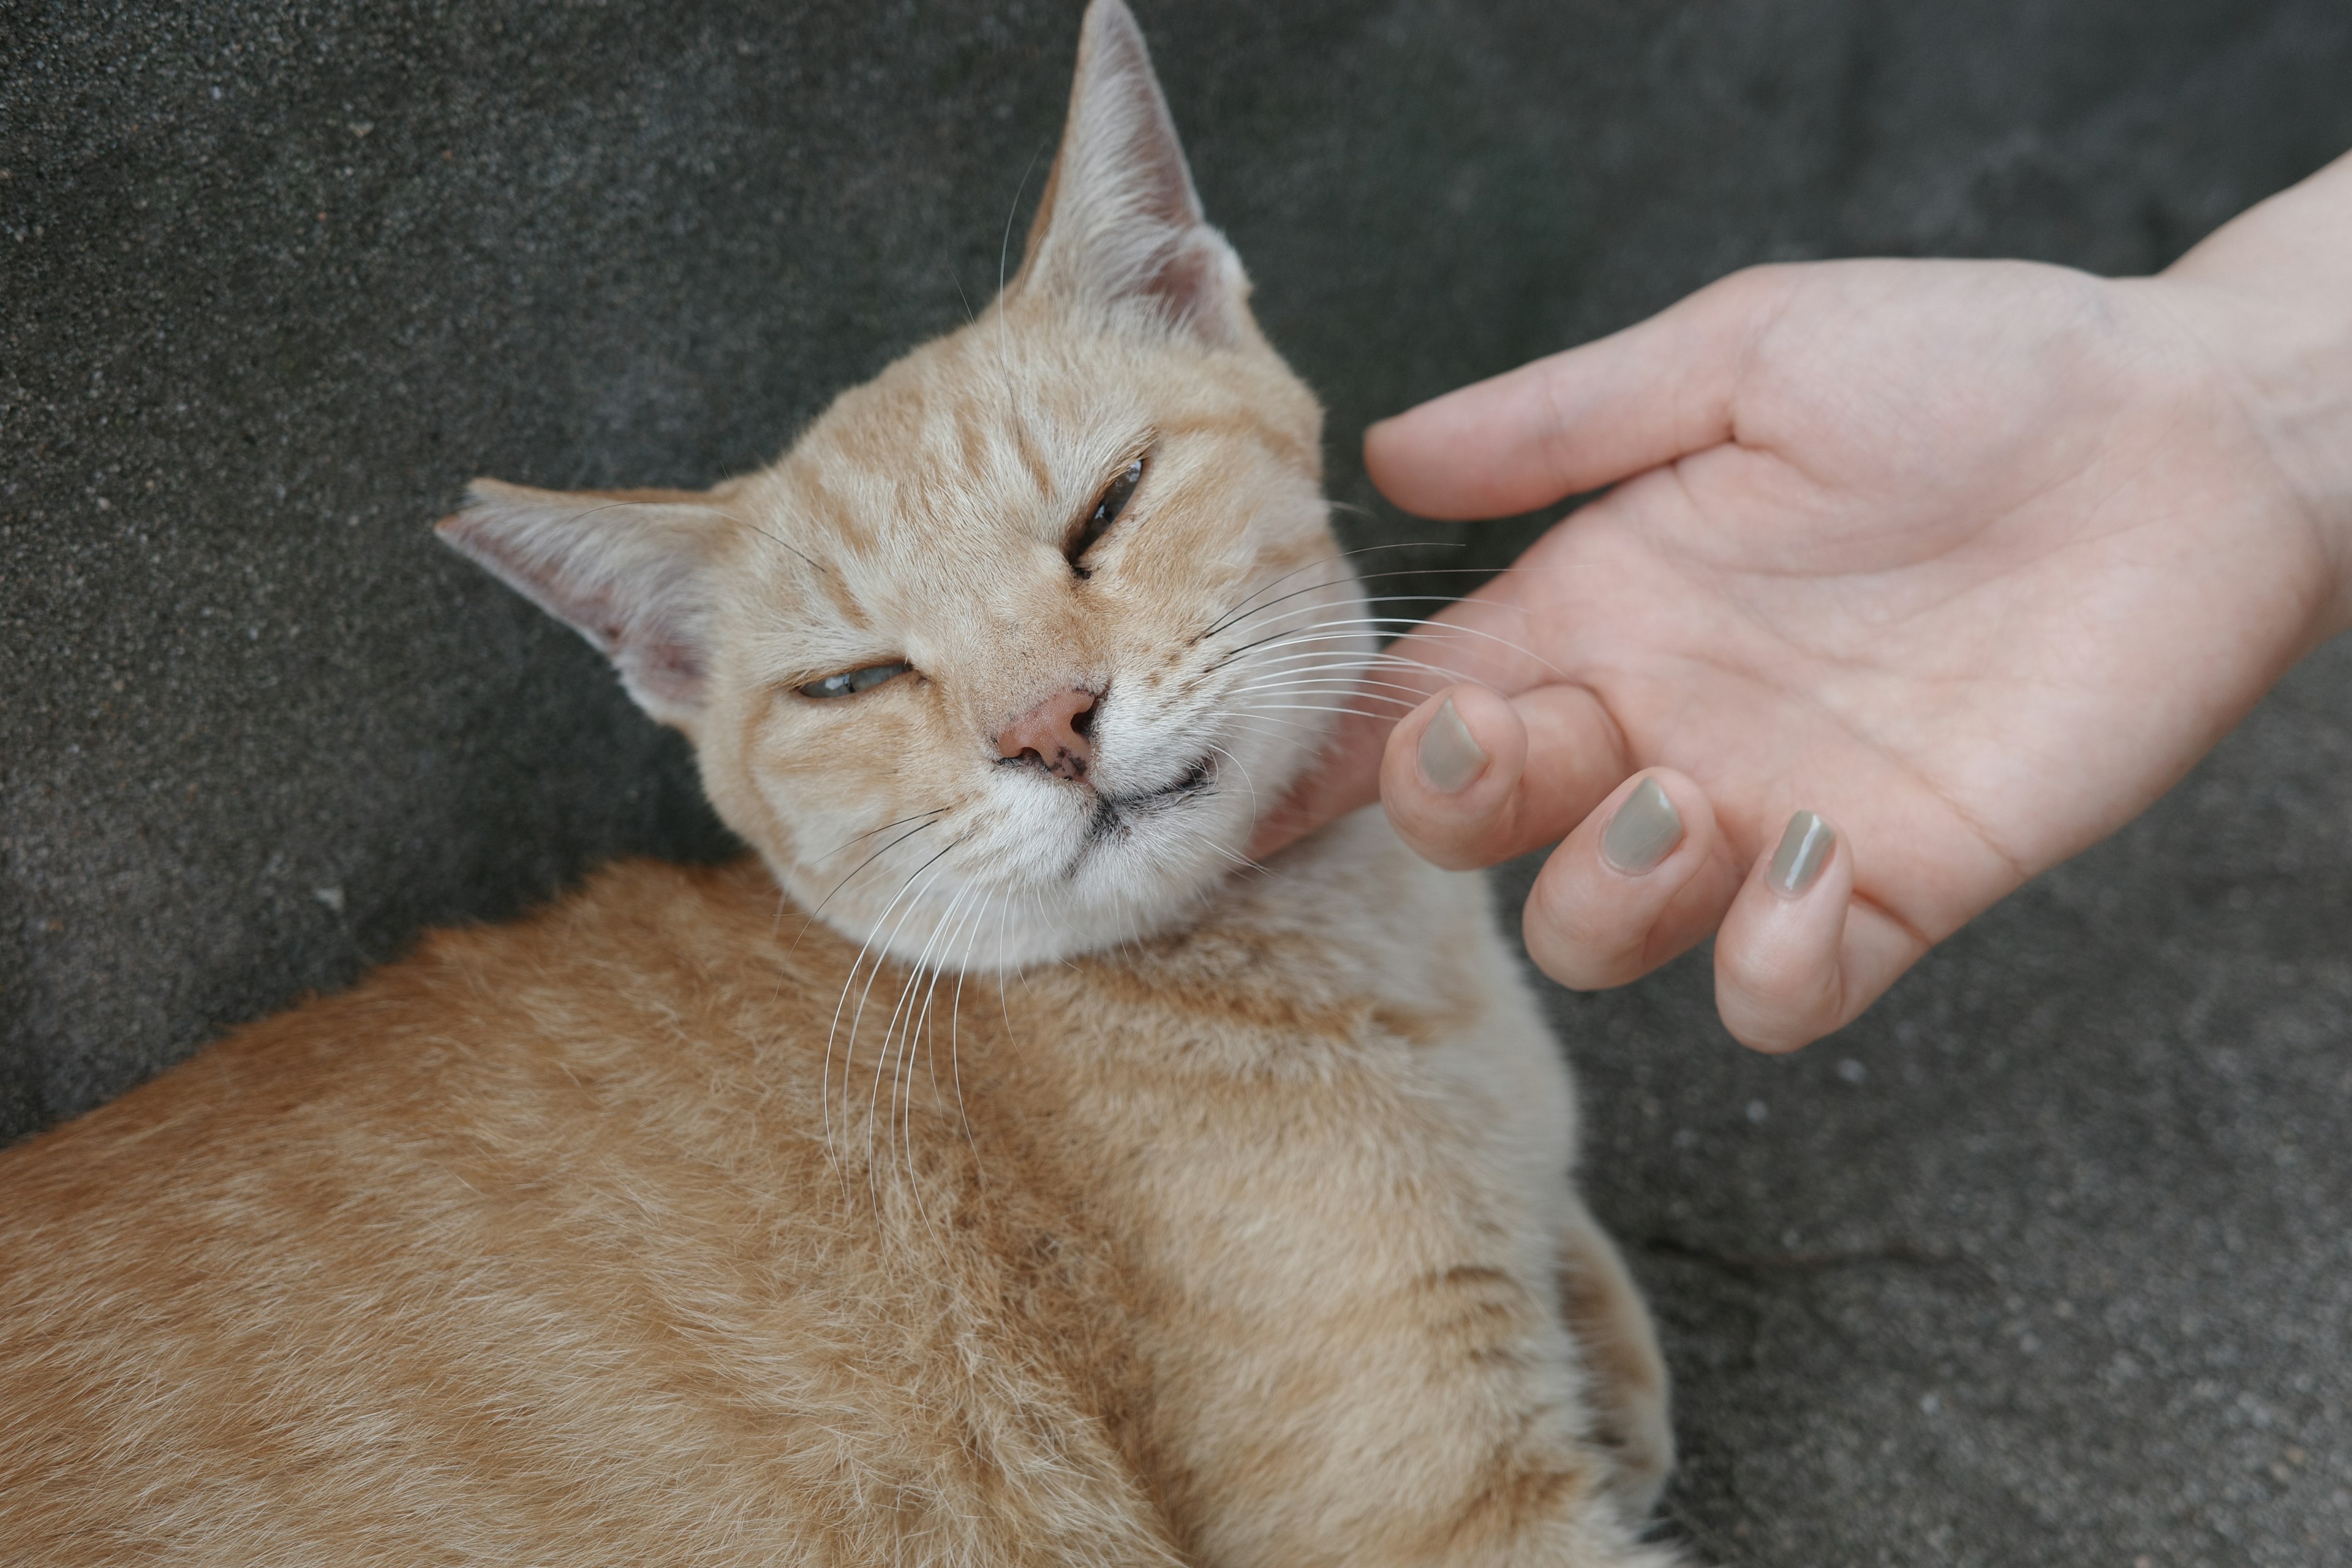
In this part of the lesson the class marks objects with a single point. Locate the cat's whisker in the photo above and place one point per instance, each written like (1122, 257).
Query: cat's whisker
(1004, 972)
(1243, 862)
(1357, 601)
(955, 1020)
(1323, 617)
(1338, 591)
(1262, 725)
(1004, 245)
(1349, 654)
(1268, 627)
(1484, 572)
(1247, 782)
(1304, 643)
(1325, 665)
(1313, 708)
(894, 1047)
(860, 868)
(849, 1047)
(1209, 842)
(1396, 710)
(1294, 638)
(826, 1073)
(1268, 608)
(1397, 707)
(1326, 561)
(1322, 685)
(1306, 660)
(1393, 663)
(1003, 254)
(856, 837)
(1335, 558)
(899, 1029)
(1308, 665)
(902, 1077)
(883, 1053)
(1451, 628)
(930, 1038)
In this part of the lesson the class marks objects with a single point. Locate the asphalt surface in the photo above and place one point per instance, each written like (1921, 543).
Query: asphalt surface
(2043, 1262)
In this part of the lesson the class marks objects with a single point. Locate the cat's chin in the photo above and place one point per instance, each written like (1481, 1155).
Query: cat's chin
(982, 927)
(1113, 869)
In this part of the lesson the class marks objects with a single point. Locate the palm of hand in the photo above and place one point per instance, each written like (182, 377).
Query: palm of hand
(1958, 581)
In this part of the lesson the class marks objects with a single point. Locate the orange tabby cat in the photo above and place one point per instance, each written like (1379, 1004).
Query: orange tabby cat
(1057, 1196)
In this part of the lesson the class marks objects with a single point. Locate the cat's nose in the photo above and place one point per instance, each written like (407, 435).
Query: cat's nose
(1054, 733)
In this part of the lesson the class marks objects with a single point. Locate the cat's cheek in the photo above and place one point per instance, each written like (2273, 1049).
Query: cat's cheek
(768, 766)
(730, 782)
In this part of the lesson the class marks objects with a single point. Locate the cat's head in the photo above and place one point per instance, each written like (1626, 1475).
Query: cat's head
(1006, 657)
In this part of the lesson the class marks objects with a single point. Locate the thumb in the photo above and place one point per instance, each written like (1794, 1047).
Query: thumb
(1582, 419)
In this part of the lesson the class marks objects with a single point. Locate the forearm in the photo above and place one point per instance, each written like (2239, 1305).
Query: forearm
(2271, 295)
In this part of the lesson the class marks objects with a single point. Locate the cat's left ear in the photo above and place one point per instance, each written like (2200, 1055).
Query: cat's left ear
(629, 570)
(1120, 224)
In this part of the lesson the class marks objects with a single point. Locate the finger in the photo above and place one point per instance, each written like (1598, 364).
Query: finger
(1799, 956)
(1576, 421)
(1642, 879)
(1471, 777)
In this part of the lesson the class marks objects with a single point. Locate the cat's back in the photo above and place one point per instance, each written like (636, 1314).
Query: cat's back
(534, 1244)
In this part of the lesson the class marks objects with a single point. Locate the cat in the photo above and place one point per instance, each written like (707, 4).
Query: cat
(993, 1168)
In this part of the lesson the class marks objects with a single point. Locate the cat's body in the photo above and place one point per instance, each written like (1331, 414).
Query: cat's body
(1238, 1246)
(1017, 1184)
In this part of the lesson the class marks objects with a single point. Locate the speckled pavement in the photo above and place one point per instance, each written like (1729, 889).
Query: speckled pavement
(2043, 1262)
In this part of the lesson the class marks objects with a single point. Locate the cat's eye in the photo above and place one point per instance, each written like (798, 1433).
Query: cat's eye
(1107, 506)
(850, 682)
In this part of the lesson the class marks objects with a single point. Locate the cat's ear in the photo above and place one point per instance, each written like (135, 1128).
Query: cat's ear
(630, 571)
(1120, 221)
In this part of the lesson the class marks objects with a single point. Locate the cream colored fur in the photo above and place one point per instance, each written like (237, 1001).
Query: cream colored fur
(1061, 1193)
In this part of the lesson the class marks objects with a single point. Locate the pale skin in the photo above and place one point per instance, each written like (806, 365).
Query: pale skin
(1972, 559)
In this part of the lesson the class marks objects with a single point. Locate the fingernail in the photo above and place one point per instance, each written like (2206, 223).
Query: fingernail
(1643, 832)
(1450, 758)
(1805, 849)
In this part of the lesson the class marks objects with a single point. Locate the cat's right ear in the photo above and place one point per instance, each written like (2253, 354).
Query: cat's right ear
(630, 571)
(1120, 224)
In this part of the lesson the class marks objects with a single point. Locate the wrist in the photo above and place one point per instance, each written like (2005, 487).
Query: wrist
(2269, 299)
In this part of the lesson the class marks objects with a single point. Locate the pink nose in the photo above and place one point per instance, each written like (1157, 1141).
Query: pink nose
(1054, 733)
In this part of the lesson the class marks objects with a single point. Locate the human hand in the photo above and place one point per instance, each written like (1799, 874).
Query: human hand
(1973, 560)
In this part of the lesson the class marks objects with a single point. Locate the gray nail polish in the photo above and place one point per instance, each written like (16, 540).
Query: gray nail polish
(1805, 849)
(1643, 832)
(1450, 758)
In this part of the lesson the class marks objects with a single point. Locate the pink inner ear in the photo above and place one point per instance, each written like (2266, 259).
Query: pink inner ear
(1193, 279)
(626, 575)
(672, 668)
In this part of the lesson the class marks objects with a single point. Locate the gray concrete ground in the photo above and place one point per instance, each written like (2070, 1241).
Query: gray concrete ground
(2043, 1262)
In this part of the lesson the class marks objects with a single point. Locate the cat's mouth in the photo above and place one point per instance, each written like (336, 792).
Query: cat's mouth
(1115, 815)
